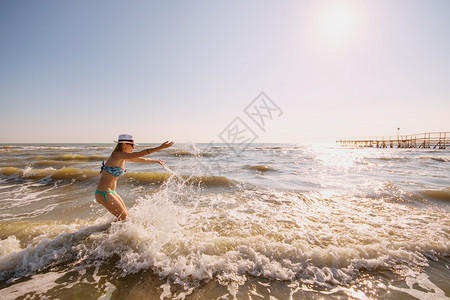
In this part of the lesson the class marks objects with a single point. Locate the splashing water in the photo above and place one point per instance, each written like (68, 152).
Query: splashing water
(186, 239)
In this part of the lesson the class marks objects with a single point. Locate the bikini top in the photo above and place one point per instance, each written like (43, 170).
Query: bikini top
(114, 171)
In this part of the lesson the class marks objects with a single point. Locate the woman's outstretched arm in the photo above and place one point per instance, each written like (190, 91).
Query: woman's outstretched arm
(148, 160)
(137, 154)
(164, 145)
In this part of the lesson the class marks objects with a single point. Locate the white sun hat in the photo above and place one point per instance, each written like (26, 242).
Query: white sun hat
(125, 138)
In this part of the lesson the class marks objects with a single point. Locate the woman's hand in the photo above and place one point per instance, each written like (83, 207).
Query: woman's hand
(166, 144)
(148, 151)
(161, 162)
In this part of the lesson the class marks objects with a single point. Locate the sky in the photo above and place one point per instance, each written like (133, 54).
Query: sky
(201, 71)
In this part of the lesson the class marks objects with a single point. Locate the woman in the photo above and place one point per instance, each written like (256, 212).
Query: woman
(115, 167)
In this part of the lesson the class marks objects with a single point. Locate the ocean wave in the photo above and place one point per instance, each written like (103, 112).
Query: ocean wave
(11, 151)
(31, 214)
(60, 158)
(9, 245)
(260, 168)
(77, 157)
(48, 173)
(100, 147)
(277, 236)
(69, 174)
(324, 240)
(39, 147)
(182, 153)
(276, 148)
(51, 163)
(392, 158)
(66, 247)
(39, 160)
(437, 194)
(157, 177)
(405, 158)
(438, 159)
(194, 152)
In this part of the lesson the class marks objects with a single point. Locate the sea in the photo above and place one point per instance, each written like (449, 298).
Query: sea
(260, 221)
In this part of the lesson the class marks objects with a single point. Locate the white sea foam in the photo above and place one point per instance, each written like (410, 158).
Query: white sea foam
(279, 236)
(25, 194)
(109, 290)
(36, 212)
(18, 262)
(429, 289)
(189, 236)
(9, 245)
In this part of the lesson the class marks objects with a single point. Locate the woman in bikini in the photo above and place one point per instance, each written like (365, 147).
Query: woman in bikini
(115, 167)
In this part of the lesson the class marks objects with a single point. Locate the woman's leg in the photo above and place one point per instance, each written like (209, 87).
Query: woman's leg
(120, 199)
(114, 205)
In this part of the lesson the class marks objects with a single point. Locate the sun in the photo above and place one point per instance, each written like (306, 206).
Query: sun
(337, 23)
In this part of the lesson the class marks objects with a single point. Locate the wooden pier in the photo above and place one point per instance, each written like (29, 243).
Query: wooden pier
(429, 140)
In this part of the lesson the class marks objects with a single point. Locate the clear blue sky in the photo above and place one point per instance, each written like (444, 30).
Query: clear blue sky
(86, 71)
